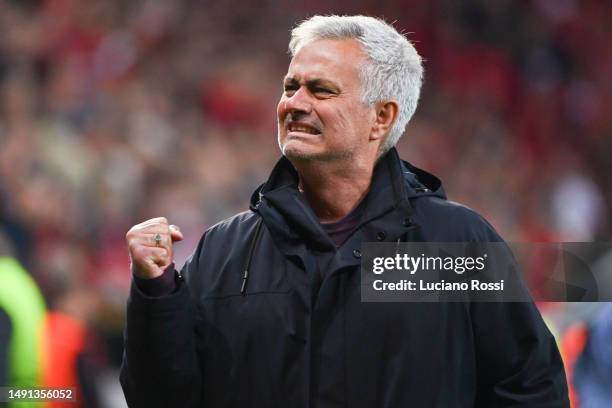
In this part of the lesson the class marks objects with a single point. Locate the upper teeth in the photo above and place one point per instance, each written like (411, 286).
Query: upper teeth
(301, 128)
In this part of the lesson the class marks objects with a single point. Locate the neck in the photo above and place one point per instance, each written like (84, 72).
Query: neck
(333, 190)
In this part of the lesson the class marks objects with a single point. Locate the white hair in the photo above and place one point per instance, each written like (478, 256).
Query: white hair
(393, 69)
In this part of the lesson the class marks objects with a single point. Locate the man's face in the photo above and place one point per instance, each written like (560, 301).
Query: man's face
(320, 114)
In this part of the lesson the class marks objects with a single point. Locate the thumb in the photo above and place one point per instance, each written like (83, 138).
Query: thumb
(175, 233)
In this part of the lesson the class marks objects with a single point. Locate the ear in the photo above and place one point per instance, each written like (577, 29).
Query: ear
(386, 115)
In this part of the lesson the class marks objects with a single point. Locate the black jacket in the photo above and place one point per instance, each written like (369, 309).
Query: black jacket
(295, 339)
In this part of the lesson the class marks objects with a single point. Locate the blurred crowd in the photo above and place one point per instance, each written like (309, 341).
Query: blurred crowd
(112, 112)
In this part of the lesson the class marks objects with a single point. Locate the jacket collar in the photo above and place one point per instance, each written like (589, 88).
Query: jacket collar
(289, 217)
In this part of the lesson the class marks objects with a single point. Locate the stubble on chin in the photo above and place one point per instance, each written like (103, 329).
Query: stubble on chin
(302, 152)
(295, 154)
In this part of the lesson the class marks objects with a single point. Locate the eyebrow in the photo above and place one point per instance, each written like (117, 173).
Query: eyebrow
(312, 83)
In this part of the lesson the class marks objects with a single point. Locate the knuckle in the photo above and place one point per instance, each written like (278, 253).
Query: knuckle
(138, 252)
(130, 233)
(164, 254)
(136, 244)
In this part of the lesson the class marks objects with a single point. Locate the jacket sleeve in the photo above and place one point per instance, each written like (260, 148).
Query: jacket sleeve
(160, 361)
(517, 358)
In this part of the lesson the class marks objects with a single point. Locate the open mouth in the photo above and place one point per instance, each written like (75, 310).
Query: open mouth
(303, 128)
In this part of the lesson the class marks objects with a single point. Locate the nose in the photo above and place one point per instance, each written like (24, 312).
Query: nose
(299, 102)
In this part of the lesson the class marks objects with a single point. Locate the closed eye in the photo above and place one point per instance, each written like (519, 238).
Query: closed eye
(323, 93)
(290, 89)
(314, 87)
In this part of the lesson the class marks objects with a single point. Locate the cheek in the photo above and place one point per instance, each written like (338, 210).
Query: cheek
(353, 123)
(343, 120)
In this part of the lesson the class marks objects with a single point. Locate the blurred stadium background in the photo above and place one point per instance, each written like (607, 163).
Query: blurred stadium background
(112, 112)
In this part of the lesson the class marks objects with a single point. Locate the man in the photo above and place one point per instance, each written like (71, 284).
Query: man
(267, 311)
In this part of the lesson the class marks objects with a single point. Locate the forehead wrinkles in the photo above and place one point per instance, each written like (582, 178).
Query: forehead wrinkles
(335, 60)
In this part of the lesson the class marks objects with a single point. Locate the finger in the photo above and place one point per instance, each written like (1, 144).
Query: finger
(175, 233)
(152, 229)
(157, 220)
(149, 240)
(161, 240)
(154, 225)
(156, 256)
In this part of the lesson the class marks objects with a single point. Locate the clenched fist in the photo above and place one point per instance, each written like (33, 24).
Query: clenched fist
(150, 246)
